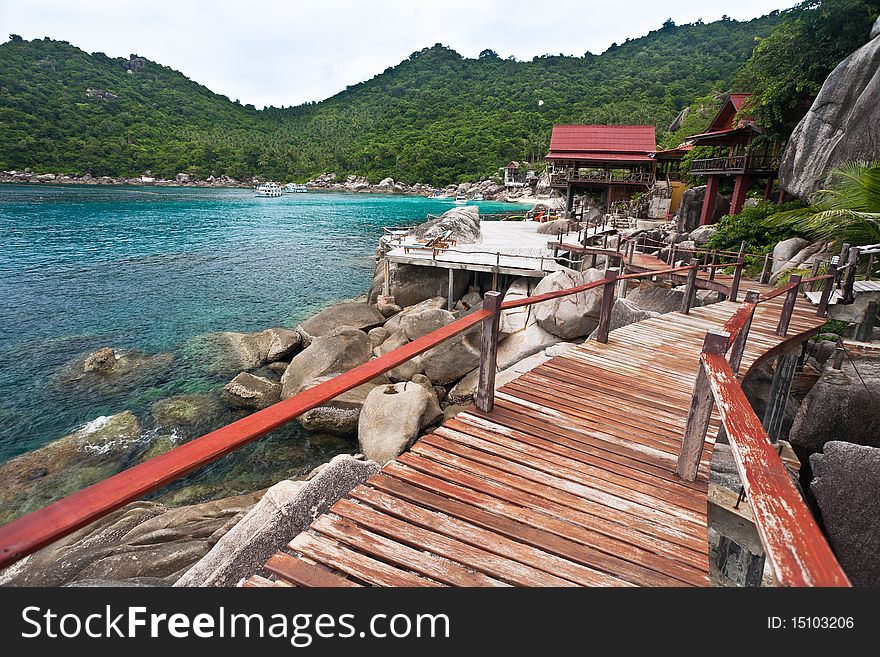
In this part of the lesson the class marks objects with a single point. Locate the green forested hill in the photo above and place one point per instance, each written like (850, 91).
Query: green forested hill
(436, 117)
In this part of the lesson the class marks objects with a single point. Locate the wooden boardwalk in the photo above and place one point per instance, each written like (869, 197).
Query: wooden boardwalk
(568, 481)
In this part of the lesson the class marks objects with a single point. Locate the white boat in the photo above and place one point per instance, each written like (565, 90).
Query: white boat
(292, 188)
(270, 190)
(478, 197)
(461, 199)
(438, 196)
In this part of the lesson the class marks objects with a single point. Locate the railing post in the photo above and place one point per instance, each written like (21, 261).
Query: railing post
(870, 270)
(700, 412)
(690, 290)
(485, 397)
(386, 284)
(713, 261)
(739, 343)
(827, 290)
(672, 255)
(765, 270)
(737, 276)
(788, 306)
(814, 271)
(607, 305)
(780, 388)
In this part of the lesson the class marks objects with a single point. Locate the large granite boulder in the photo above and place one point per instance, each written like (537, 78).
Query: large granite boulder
(523, 344)
(846, 485)
(251, 392)
(284, 511)
(463, 222)
(351, 313)
(625, 312)
(335, 352)
(574, 315)
(58, 468)
(143, 543)
(228, 351)
(416, 325)
(657, 298)
(451, 360)
(840, 406)
(517, 319)
(392, 418)
(703, 234)
(190, 414)
(841, 126)
(437, 302)
(556, 227)
(687, 218)
(785, 251)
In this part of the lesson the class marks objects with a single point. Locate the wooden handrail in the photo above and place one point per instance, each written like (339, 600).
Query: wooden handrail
(797, 551)
(29, 533)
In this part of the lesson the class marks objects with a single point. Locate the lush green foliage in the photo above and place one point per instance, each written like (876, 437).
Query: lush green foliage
(849, 211)
(752, 227)
(787, 68)
(436, 117)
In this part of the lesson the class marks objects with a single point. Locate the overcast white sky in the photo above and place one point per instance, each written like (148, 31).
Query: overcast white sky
(270, 52)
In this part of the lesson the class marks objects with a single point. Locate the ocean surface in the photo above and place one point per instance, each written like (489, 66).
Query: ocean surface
(150, 268)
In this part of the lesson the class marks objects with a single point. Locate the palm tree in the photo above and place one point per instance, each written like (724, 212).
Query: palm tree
(849, 211)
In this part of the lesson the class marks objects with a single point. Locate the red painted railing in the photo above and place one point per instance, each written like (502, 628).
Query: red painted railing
(794, 545)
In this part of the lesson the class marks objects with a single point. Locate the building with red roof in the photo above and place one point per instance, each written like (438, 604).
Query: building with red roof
(736, 153)
(612, 159)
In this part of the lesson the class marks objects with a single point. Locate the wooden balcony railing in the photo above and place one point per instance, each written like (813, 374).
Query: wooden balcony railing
(601, 176)
(736, 164)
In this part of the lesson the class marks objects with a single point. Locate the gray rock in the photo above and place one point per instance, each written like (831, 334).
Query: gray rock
(141, 541)
(412, 284)
(453, 359)
(875, 30)
(228, 351)
(846, 486)
(756, 387)
(785, 251)
(190, 413)
(392, 418)
(839, 407)
(418, 324)
(517, 319)
(557, 227)
(463, 222)
(282, 343)
(523, 344)
(841, 126)
(93, 452)
(574, 315)
(625, 312)
(335, 352)
(101, 361)
(351, 313)
(251, 392)
(377, 336)
(434, 302)
(688, 216)
(703, 234)
(341, 414)
(283, 512)
(657, 298)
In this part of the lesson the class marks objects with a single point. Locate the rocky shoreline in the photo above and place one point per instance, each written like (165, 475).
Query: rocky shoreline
(187, 541)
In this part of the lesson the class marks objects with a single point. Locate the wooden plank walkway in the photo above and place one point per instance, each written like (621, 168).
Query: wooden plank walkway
(568, 481)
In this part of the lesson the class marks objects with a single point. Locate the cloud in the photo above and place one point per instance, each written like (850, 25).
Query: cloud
(270, 52)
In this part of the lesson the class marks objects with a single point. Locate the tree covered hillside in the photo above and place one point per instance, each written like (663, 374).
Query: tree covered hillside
(436, 117)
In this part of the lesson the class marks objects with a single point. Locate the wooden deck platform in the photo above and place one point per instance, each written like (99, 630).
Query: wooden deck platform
(568, 481)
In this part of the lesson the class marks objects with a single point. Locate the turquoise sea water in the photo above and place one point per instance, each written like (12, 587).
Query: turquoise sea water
(149, 268)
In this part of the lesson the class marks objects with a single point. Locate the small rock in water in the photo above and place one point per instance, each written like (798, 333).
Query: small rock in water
(101, 361)
(251, 392)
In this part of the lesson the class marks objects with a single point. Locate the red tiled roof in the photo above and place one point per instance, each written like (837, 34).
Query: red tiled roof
(738, 100)
(598, 156)
(606, 138)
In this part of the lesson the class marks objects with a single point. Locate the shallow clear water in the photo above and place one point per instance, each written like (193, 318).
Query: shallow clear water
(149, 268)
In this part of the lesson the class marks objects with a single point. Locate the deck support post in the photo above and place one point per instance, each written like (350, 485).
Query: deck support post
(739, 343)
(386, 286)
(737, 276)
(870, 271)
(713, 261)
(814, 271)
(450, 291)
(849, 277)
(690, 290)
(607, 305)
(672, 255)
(485, 397)
(700, 412)
(788, 305)
(779, 390)
(827, 290)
